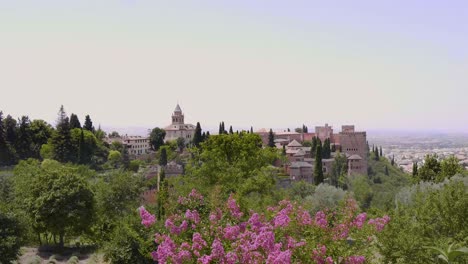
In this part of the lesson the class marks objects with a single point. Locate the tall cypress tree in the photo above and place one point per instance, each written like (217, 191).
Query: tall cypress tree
(314, 146)
(326, 151)
(230, 130)
(318, 170)
(376, 152)
(88, 125)
(251, 130)
(74, 121)
(220, 131)
(271, 139)
(393, 160)
(380, 154)
(386, 170)
(415, 169)
(163, 157)
(197, 137)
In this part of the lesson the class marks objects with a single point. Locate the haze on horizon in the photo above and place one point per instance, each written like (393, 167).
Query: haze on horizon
(400, 65)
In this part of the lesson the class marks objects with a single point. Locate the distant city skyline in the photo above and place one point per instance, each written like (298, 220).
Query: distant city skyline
(380, 65)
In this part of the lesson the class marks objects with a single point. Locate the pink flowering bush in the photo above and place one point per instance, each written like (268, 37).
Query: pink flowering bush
(286, 233)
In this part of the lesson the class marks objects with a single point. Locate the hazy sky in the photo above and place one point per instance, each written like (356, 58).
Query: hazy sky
(377, 64)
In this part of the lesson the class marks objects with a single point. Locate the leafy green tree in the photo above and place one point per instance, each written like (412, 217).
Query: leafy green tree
(271, 139)
(10, 238)
(339, 169)
(129, 243)
(125, 158)
(362, 190)
(88, 125)
(157, 136)
(430, 169)
(180, 143)
(449, 167)
(163, 157)
(425, 214)
(74, 121)
(64, 150)
(84, 144)
(41, 133)
(115, 158)
(55, 197)
(318, 168)
(234, 163)
(197, 137)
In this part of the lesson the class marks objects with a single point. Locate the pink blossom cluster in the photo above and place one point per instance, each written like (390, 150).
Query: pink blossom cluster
(147, 219)
(234, 209)
(285, 234)
(380, 223)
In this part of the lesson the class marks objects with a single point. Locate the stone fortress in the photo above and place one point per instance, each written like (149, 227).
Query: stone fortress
(300, 164)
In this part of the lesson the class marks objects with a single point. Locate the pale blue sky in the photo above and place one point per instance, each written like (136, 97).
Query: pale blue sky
(378, 64)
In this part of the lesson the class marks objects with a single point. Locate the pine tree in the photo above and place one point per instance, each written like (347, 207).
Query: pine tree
(318, 170)
(88, 125)
(74, 121)
(163, 157)
(81, 149)
(197, 137)
(415, 169)
(24, 138)
(230, 130)
(271, 139)
(61, 140)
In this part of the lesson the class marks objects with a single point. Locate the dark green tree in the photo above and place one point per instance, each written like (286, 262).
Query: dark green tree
(326, 151)
(7, 152)
(318, 169)
(162, 194)
(392, 162)
(339, 170)
(271, 139)
(163, 157)
(125, 158)
(24, 139)
(220, 131)
(430, 168)
(230, 130)
(10, 238)
(284, 150)
(157, 136)
(415, 169)
(197, 137)
(381, 153)
(376, 153)
(207, 134)
(88, 125)
(10, 130)
(314, 146)
(251, 130)
(74, 121)
(61, 140)
(386, 170)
